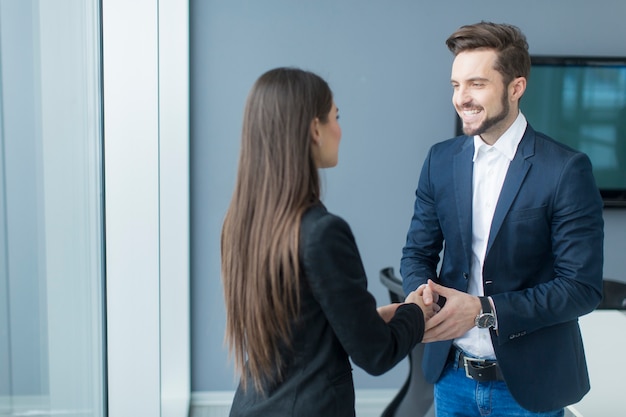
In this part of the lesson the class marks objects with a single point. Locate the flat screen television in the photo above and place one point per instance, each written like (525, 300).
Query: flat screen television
(581, 101)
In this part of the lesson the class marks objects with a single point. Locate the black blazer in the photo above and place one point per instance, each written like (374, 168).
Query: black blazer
(337, 320)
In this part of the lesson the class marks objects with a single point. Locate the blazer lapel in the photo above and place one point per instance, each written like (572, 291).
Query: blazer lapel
(462, 171)
(512, 183)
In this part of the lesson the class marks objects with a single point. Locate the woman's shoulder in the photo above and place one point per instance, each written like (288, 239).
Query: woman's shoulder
(320, 227)
(318, 218)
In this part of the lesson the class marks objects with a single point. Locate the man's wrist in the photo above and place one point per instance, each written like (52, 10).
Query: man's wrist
(486, 319)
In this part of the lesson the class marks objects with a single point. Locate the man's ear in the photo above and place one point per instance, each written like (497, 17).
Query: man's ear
(518, 86)
(315, 131)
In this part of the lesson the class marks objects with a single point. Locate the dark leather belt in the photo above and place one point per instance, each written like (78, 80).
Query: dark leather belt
(481, 370)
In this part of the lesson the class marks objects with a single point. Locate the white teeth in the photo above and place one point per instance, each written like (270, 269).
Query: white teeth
(470, 112)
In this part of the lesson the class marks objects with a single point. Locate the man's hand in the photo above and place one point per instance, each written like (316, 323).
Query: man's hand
(455, 318)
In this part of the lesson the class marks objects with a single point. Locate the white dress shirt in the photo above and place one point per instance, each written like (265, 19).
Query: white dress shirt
(490, 167)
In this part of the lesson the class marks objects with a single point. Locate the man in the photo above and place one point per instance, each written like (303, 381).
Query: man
(519, 219)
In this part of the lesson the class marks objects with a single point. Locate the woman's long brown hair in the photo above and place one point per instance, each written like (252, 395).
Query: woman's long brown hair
(277, 181)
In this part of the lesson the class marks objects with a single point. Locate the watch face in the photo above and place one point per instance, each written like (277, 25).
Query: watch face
(485, 320)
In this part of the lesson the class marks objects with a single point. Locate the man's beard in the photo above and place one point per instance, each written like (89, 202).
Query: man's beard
(491, 121)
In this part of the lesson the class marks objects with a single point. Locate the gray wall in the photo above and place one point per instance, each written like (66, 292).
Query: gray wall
(389, 69)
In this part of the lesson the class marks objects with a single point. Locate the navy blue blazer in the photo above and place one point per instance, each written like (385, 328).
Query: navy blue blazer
(543, 265)
(337, 321)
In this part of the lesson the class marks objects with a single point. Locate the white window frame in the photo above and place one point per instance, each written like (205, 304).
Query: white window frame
(146, 153)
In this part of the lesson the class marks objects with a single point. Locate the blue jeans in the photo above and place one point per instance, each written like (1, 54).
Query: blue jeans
(456, 395)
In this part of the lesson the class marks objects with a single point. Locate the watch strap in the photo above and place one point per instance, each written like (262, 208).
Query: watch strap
(485, 305)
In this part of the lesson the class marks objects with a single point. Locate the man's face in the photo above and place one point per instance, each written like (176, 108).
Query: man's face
(480, 97)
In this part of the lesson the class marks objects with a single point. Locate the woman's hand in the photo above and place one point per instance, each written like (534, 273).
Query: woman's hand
(387, 312)
(424, 301)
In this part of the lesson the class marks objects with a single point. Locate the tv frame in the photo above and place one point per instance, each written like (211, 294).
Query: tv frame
(610, 197)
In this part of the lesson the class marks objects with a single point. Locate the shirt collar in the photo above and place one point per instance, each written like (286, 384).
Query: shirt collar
(508, 142)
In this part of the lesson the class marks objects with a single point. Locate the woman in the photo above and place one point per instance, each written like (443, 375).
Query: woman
(296, 293)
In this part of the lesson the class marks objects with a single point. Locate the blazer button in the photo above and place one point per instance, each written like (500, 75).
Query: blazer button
(516, 335)
(465, 275)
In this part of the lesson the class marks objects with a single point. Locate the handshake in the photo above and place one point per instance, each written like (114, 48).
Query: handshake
(426, 298)
(452, 320)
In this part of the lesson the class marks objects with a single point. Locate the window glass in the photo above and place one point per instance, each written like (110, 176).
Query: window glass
(51, 234)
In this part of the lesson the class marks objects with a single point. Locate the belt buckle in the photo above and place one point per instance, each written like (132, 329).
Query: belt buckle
(466, 364)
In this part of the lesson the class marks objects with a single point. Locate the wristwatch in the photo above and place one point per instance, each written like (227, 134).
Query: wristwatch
(486, 319)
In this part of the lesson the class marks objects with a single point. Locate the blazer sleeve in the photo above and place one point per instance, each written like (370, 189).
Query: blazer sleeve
(424, 241)
(335, 274)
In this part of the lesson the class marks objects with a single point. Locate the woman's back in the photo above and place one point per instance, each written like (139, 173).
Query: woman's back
(337, 320)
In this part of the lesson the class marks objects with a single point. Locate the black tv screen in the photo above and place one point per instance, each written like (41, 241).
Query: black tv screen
(581, 101)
